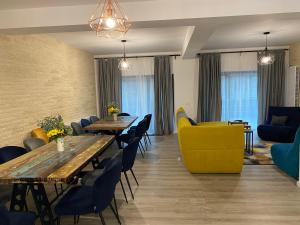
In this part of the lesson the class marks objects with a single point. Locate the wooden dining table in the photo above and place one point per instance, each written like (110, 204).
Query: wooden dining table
(46, 165)
(122, 123)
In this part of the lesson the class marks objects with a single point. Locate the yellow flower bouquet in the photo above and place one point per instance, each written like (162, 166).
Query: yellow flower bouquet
(55, 127)
(113, 109)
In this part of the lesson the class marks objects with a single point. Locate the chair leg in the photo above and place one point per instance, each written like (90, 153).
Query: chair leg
(116, 206)
(115, 211)
(134, 177)
(141, 151)
(142, 146)
(58, 220)
(75, 219)
(146, 143)
(56, 190)
(128, 184)
(123, 190)
(26, 207)
(102, 219)
(148, 138)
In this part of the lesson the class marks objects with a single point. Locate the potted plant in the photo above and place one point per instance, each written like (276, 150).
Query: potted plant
(56, 130)
(113, 110)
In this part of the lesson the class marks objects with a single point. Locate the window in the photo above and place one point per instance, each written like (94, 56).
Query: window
(239, 96)
(138, 96)
(138, 89)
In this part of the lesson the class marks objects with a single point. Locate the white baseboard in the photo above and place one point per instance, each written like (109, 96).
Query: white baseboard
(298, 183)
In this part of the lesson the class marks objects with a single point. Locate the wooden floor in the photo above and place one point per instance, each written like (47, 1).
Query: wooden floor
(169, 195)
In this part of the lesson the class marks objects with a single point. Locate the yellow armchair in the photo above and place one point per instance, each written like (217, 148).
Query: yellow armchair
(210, 147)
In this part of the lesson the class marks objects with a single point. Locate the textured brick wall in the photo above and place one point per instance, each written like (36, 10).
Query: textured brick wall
(40, 76)
(295, 54)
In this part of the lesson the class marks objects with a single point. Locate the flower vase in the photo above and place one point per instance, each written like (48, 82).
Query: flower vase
(115, 116)
(60, 144)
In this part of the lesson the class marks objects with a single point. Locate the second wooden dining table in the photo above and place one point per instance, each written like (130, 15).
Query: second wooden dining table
(122, 123)
(46, 165)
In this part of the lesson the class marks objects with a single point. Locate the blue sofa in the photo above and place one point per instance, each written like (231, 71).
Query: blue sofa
(286, 156)
(284, 134)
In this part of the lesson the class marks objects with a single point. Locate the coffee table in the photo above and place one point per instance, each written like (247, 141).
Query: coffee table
(248, 135)
(249, 141)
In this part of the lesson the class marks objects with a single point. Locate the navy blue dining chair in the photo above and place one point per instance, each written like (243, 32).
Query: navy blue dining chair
(146, 127)
(128, 158)
(123, 114)
(77, 129)
(94, 119)
(85, 123)
(8, 153)
(15, 218)
(86, 199)
(149, 118)
(137, 131)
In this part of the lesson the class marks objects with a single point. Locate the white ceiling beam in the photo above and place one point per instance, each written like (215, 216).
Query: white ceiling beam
(141, 11)
(197, 41)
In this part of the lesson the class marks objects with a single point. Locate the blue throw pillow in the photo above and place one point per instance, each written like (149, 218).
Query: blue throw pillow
(279, 120)
(192, 121)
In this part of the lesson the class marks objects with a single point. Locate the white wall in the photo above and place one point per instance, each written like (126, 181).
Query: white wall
(290, 87)
(186, 85)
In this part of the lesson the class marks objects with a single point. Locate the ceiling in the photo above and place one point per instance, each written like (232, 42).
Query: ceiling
(22, 4)
(250, 34)
(139, 41)
(226, 33)
(185, 26)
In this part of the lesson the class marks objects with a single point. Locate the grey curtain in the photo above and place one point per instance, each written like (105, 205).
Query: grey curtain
(109, 84)
(271, 85)
(209, 92)
(164, 96)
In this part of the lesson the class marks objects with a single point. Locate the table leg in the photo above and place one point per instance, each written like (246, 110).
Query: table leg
(42, 204)
(248, 147)
(18, 198)
(252, 143)
(245, 141)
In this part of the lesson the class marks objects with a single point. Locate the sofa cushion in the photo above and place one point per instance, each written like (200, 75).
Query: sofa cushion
(283, 134)
(279, 120)
(293, 114)
(40, 133)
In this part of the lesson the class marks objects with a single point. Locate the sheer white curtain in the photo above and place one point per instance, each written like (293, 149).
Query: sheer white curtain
(239, 87)
(138, 89)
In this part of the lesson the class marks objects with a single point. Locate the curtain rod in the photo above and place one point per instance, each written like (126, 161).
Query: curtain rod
(285, 49)
(131, 57)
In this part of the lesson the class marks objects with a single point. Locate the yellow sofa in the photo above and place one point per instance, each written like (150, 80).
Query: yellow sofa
(210, 147)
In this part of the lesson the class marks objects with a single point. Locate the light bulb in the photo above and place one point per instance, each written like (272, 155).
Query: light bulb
(124, 65)
(266, 59)
(110, 23)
